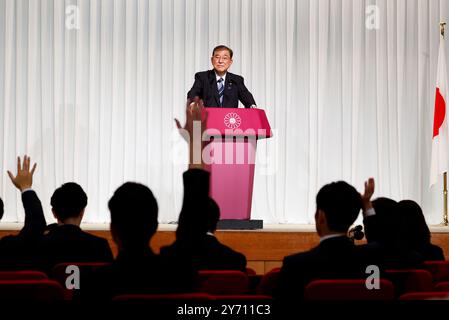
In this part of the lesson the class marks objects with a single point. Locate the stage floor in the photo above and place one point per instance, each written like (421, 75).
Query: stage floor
(264, 249)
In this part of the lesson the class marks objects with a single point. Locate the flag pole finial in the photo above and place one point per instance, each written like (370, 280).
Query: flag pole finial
(442, 26)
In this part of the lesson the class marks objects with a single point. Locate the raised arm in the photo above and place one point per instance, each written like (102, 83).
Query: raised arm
(34, 215)
(367, 194)
(193, 130)
(196, 180)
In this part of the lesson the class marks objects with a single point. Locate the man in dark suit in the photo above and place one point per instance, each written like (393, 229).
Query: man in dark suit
(16, 251)
(67, 242)
(136, 269)
(337, 207)
(382, 224)
(218, 87)
(195, 242)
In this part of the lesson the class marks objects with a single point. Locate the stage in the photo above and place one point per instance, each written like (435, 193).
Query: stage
(264, 249)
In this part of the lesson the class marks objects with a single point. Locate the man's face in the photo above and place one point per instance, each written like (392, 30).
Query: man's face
(221, 60)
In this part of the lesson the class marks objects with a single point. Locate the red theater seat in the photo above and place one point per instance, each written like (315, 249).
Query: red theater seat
(425, 296)
(350, 289)
(250, 272)
(39, 290)
(245, 297)
(196, 296)
(439, 270)
(442, 286)
(220, 282)
(59, 273)
(410, 280)
(23, 275)
(268, 283)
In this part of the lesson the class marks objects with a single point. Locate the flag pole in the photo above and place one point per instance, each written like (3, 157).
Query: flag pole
(445, 218)
(445, 221)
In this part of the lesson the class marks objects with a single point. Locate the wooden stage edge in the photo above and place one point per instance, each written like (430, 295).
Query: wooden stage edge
(264, 249)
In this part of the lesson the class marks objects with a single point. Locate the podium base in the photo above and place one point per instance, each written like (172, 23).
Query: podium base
(235, 224)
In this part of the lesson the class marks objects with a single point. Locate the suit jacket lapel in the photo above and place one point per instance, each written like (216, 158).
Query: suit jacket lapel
(213, 86)
(227, 89)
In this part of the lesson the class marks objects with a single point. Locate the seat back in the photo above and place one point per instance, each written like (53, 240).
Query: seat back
(61, 272)
(244, 297)
(251, 272)
(268, 282)
(442, 286)
(38, 290)
(196, 296)
(425, 296)
(348, 289)
(439, 270)
(410, 280)
(22, 275)
(220, 282)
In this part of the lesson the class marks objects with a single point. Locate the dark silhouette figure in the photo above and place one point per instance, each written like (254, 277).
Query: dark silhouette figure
(66, 242)
(337, 207)
(136, 269)
(414, 234)
(195, 240)
(382, 232)
(16, 251)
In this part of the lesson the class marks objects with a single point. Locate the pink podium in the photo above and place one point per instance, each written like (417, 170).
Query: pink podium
(230, 155)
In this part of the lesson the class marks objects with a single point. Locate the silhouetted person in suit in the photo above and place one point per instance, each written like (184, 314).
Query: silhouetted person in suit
(134, 212)
(66, 242)
(16, 251)
(136, 269)
(218, 87)
(197, 222)
(195, 239)
(382, 230)
(414, 233)
(337, 207)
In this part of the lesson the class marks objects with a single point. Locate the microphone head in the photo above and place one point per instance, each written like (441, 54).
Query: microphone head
(356, 233)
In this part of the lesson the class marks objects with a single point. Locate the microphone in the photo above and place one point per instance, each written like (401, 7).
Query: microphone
(356, 233)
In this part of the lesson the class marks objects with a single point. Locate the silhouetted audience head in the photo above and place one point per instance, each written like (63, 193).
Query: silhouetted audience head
(193, 226)
(413, 227)
(1, 208)
(212, 216)
(134, 212)
(386, 227)
(341, 203)
(68, 201)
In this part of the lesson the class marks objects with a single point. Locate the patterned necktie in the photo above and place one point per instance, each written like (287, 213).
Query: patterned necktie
(220, 86)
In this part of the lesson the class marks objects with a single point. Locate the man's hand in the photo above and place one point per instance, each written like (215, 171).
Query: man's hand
(368, 193)
(24, 178)
(194, 116)
(194, 110)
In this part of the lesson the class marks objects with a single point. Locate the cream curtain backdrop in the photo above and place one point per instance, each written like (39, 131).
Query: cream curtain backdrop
(96, 104)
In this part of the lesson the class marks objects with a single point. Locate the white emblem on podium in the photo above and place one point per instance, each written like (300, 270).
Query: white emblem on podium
(232, 120)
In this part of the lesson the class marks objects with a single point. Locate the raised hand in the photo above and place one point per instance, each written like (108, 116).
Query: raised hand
(194, 117)
(194, 109)
(368, 193)
(24, 178)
